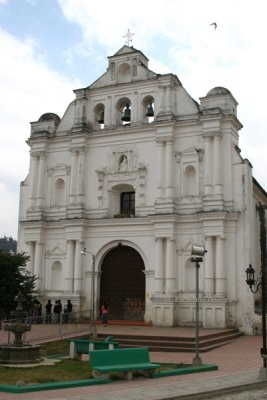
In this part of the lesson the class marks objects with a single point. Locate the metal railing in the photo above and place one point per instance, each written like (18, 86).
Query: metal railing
(57, 326)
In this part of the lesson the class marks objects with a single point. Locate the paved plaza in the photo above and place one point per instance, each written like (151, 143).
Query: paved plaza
(239, 363)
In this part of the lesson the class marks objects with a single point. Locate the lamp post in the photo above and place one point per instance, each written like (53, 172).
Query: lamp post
(259, 285)
(93, 333)
(197, 257)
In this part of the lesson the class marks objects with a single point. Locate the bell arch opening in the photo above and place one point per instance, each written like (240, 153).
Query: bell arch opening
(122, 284)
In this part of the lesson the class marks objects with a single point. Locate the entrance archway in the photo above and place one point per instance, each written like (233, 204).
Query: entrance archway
(122, 284)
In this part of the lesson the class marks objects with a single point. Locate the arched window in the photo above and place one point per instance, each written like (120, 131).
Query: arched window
(148, 107)
(122, 201)
(100, 115)
(123, 112)
(60, 193)
(127, 203)
(56, 276)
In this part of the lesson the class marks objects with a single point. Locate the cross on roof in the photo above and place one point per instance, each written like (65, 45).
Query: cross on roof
(128, 35)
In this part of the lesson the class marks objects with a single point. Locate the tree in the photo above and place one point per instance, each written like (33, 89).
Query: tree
(8, 244)
(14, 277)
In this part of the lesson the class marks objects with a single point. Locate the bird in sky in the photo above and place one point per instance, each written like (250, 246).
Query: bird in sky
(215, 25)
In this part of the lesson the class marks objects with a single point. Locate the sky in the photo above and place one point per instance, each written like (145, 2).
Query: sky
(51, 47)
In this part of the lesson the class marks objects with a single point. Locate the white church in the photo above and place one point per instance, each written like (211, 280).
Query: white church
(137, 171)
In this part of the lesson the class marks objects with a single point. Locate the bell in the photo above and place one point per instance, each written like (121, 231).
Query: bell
(101, 119)
(150, 111)
(127, 114)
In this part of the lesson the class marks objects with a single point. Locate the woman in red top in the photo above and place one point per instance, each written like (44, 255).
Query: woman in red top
(104, 314)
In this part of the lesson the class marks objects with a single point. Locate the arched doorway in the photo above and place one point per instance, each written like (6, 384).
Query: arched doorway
(122, 284)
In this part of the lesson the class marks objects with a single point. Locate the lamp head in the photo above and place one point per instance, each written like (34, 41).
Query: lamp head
(250, 271)
(198, 251)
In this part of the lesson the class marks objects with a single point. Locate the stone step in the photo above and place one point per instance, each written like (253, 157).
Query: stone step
(176, 344)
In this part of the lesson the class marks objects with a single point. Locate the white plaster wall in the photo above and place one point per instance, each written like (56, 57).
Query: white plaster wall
(184, 218)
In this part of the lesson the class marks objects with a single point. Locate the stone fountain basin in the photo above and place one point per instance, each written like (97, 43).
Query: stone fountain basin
(26, 354)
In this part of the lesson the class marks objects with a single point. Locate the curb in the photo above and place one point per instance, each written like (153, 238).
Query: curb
(98, 381)
(187, 370)
(52, 386)
(213, 394)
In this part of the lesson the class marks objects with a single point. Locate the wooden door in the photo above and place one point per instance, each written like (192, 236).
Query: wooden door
(122, 284)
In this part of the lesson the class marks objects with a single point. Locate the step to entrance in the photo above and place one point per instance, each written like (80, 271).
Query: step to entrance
(126, 322)
(207, 342)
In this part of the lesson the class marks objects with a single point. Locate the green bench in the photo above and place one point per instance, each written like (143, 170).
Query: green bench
(122, 362)
(77, 347)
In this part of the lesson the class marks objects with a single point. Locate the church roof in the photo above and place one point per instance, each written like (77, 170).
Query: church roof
(218, 90)
(126, 50)
(49, 117)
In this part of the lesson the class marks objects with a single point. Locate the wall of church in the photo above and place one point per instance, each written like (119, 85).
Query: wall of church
(183, 171)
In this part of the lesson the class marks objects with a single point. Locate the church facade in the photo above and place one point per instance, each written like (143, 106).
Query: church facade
(136, 172)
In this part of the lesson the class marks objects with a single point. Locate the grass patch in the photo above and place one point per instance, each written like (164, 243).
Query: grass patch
(65, 370)
(55, 348)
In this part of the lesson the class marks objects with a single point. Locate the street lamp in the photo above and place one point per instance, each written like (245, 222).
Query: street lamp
(93, 332)
(197, 255)
(259, 285)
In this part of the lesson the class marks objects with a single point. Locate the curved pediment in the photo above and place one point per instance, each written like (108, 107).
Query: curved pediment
(126, 65)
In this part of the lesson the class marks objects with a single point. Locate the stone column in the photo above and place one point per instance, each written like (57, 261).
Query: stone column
(169, 170)
(135, 109)
(170, 281)
(217, 164)
(69, 266)
(160, 169)
(180, 270)
(78, 272)
(220, 267)
(108, 116)
(81, 176)
(33, 181)
(168, 99)
(73, 177)
(41, 181)
(38, 263)
(162, 99)
(207, 166)
(31, 246)
(159, 274)
(208, 267)
(80, 108)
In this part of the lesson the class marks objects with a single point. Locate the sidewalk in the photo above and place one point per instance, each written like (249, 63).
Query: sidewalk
(239, 363)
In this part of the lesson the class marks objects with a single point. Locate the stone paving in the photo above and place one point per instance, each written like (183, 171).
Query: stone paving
(254, 394)
(239, 364)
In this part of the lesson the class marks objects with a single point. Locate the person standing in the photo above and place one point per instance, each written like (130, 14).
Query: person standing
(104, 314)
(48, 312)
(57, 311)
(67, 311)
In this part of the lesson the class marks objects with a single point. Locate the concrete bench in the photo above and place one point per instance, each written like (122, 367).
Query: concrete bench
(83, 346)
(121, 361)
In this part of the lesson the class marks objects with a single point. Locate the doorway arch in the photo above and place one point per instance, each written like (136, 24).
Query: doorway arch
(122, 284)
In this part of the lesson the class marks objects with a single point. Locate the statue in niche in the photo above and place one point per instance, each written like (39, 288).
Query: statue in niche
(123, 163)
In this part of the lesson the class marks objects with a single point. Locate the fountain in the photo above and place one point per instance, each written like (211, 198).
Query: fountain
(19, 352)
